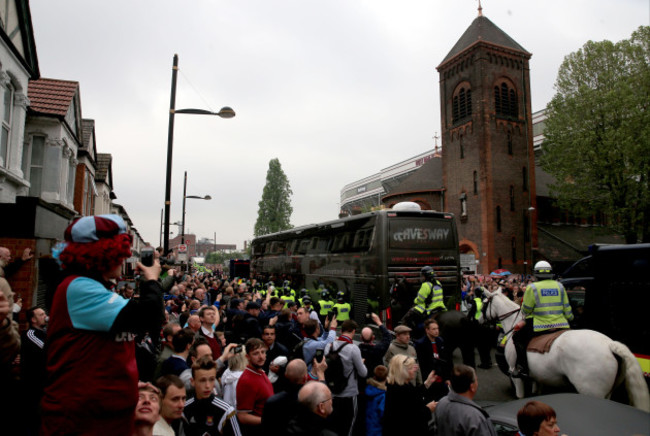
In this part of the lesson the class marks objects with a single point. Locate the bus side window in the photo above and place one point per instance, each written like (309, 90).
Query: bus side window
(318, 245)
(278, 247)
(341, 243)
(323, 243)
(362, 240)
(304, 246)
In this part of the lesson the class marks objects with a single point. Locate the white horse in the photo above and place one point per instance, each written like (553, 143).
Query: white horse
(585, 359)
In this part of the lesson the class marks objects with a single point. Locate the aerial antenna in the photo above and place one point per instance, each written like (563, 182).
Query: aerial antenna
(436, 148)
(480, 9)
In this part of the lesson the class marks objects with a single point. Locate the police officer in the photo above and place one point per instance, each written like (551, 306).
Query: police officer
(481, 333)
(325, 305)
(547, 307)
(342, 308)
(286, 296)
(429, 299)
(287, 285)
(303, 293)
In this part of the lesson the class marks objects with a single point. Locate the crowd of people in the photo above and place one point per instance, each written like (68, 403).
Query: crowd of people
(178, 353)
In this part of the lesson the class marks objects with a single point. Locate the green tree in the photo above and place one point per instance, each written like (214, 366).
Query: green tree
(598, 133)
(220, 257)
(275, 209)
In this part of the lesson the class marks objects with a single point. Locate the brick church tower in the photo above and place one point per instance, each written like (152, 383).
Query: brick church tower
(487, 148)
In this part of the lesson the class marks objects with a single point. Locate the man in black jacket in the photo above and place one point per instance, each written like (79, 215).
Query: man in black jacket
(372, 352)
(282, 407)
(32, 363)
(315, 400)
(432, 356)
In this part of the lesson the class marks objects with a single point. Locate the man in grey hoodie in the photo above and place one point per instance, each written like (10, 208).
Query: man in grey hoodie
(341, 421)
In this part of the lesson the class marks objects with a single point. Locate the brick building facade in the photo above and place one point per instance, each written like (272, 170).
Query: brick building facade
(488, 160)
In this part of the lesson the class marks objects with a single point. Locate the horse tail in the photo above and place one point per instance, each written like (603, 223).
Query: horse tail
(635, 384)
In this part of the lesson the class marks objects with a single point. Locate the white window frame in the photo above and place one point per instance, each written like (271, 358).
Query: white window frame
(32, 165)
(8, 108)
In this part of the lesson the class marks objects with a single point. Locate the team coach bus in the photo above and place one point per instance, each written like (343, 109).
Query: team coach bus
(374, 258)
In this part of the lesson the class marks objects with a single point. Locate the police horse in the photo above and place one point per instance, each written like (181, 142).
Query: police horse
(588, 360)
(455, 327)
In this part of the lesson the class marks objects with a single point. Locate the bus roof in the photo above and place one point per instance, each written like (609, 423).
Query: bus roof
(342, 221)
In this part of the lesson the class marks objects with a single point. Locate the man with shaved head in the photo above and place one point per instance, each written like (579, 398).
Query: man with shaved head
(315, 400)
(281, 407)
(371, 351)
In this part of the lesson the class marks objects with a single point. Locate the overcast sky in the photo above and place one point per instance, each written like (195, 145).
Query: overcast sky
(336, 90)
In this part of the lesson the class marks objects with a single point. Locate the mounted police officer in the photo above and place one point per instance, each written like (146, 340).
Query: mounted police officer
(547, 307)
(429, 300)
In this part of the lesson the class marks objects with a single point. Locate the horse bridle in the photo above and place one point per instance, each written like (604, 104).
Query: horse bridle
(500, 317)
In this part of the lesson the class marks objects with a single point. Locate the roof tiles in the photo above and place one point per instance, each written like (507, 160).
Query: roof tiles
(51, 96)
(482, 29)
(104, 161)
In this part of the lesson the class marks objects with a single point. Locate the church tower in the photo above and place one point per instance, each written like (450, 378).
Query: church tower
(487, 148)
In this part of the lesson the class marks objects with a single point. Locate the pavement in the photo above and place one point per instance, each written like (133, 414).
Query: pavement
(493, 385)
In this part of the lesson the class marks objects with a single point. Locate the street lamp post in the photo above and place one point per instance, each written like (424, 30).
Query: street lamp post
(225, 112)
(531, 211)
(205, 197)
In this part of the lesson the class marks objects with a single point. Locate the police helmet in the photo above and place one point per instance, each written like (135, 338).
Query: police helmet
(325, 293)
(303, 292)
(340, 296)
(287, 291)
(428, 272)
(286, 284)
(543, 270)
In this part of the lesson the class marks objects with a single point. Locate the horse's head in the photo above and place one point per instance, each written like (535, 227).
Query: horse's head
(496, 305)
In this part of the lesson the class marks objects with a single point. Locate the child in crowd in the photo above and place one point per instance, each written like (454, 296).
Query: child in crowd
(376, 398)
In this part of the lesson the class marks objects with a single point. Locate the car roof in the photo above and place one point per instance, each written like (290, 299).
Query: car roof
(580, 415)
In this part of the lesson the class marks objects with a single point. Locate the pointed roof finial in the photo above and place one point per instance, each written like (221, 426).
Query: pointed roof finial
(480, 9)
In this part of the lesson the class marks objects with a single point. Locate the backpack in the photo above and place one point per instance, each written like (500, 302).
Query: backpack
(335, 378)
(296, 351)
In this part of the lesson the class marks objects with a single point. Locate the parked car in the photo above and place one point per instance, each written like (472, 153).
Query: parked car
(577, 415)
(609, 291)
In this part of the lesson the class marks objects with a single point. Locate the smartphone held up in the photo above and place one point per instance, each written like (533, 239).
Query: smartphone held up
(147, 256)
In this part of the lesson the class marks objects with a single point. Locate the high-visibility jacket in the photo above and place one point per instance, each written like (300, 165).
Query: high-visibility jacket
(429, 298)
(286, 299)
(325, 307)
(479, 308)
(548, 303)
(343, 311)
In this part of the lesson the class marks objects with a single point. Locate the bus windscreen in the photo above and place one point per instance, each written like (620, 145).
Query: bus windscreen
(413, 233)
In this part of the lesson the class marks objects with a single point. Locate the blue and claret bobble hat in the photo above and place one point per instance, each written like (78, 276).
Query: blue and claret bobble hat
(93, 228)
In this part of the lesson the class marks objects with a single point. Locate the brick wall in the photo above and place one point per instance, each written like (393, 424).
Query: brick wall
(479, 144)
